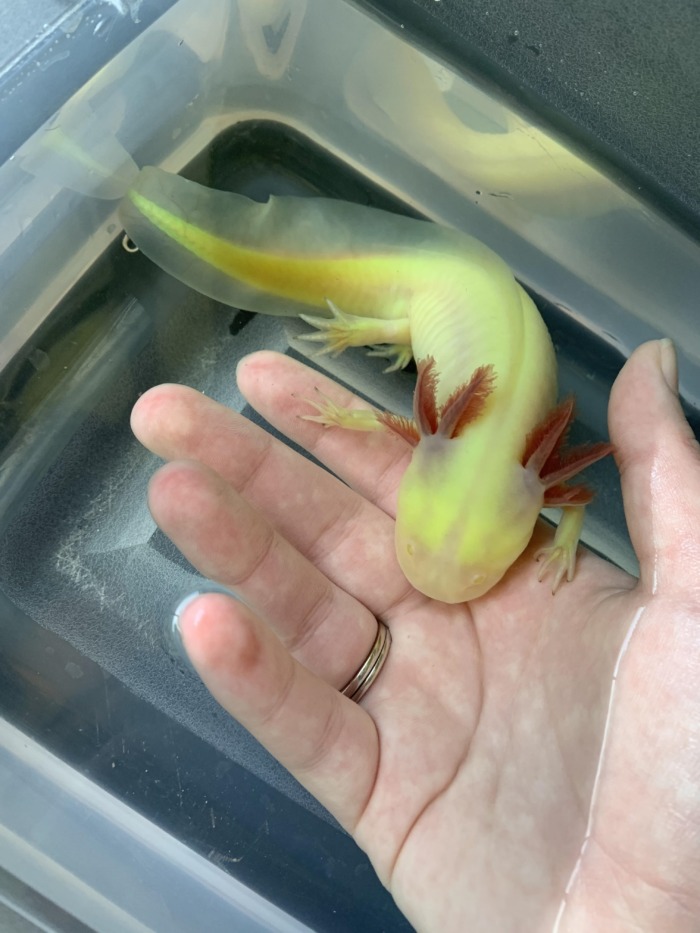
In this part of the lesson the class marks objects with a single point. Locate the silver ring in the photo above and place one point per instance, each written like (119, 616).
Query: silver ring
(358, 686)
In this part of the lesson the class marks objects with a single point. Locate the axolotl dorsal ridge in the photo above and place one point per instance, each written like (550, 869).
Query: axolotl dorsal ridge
(486, 435)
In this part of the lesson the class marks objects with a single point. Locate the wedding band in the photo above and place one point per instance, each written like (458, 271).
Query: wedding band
(356, 688)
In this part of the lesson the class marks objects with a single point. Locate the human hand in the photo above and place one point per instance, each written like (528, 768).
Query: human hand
(468, 771)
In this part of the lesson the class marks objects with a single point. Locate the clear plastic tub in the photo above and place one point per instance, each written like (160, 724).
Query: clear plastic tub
(281, 96)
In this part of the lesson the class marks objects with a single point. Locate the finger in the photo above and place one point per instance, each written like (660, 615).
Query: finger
(229, 541)
(371, 462)
(659, 463)
(327, 742)
(349, 539)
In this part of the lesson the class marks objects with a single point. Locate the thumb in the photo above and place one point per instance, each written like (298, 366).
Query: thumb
(659, 461)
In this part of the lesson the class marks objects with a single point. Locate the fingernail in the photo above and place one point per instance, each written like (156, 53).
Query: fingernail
(668, 361)
(173, 635)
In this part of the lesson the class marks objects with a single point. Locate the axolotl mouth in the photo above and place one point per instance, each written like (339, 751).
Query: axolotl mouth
(448, 579)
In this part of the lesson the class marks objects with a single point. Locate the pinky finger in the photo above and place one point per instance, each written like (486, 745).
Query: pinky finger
(326, 741)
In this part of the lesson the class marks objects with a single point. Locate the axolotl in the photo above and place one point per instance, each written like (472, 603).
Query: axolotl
(487, 434)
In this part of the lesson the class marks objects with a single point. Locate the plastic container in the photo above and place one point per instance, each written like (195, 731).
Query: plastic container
(118, 773)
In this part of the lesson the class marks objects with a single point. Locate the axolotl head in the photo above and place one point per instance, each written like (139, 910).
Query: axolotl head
(457, 535)
(467, 507)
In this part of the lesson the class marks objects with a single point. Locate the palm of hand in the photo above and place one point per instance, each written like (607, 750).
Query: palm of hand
(468, 772)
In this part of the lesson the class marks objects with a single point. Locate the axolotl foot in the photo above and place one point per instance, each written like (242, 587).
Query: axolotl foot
(561, 559)
(560, 556)
(342, 330)
(398, 354)
(329, 414)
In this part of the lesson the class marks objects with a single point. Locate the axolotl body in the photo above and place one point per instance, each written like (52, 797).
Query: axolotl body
(487, 435)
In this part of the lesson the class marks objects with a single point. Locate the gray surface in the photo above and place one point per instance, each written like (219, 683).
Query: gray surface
(25, 910)
(25, 23)
(10, 922)
(98, 863)
(49, 49)
(621, 75)
(86, 532)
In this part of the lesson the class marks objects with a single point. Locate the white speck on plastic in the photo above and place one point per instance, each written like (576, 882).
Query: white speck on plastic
(127, 6)
(70, 23)
(74, 670)
(53, 59)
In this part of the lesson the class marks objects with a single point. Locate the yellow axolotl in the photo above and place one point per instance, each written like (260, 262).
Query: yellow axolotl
(486, 434)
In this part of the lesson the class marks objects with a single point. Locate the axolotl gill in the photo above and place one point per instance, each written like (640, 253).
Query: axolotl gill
(487, 434)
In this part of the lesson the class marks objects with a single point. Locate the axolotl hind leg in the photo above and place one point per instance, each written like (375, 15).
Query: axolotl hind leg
(341, 330)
